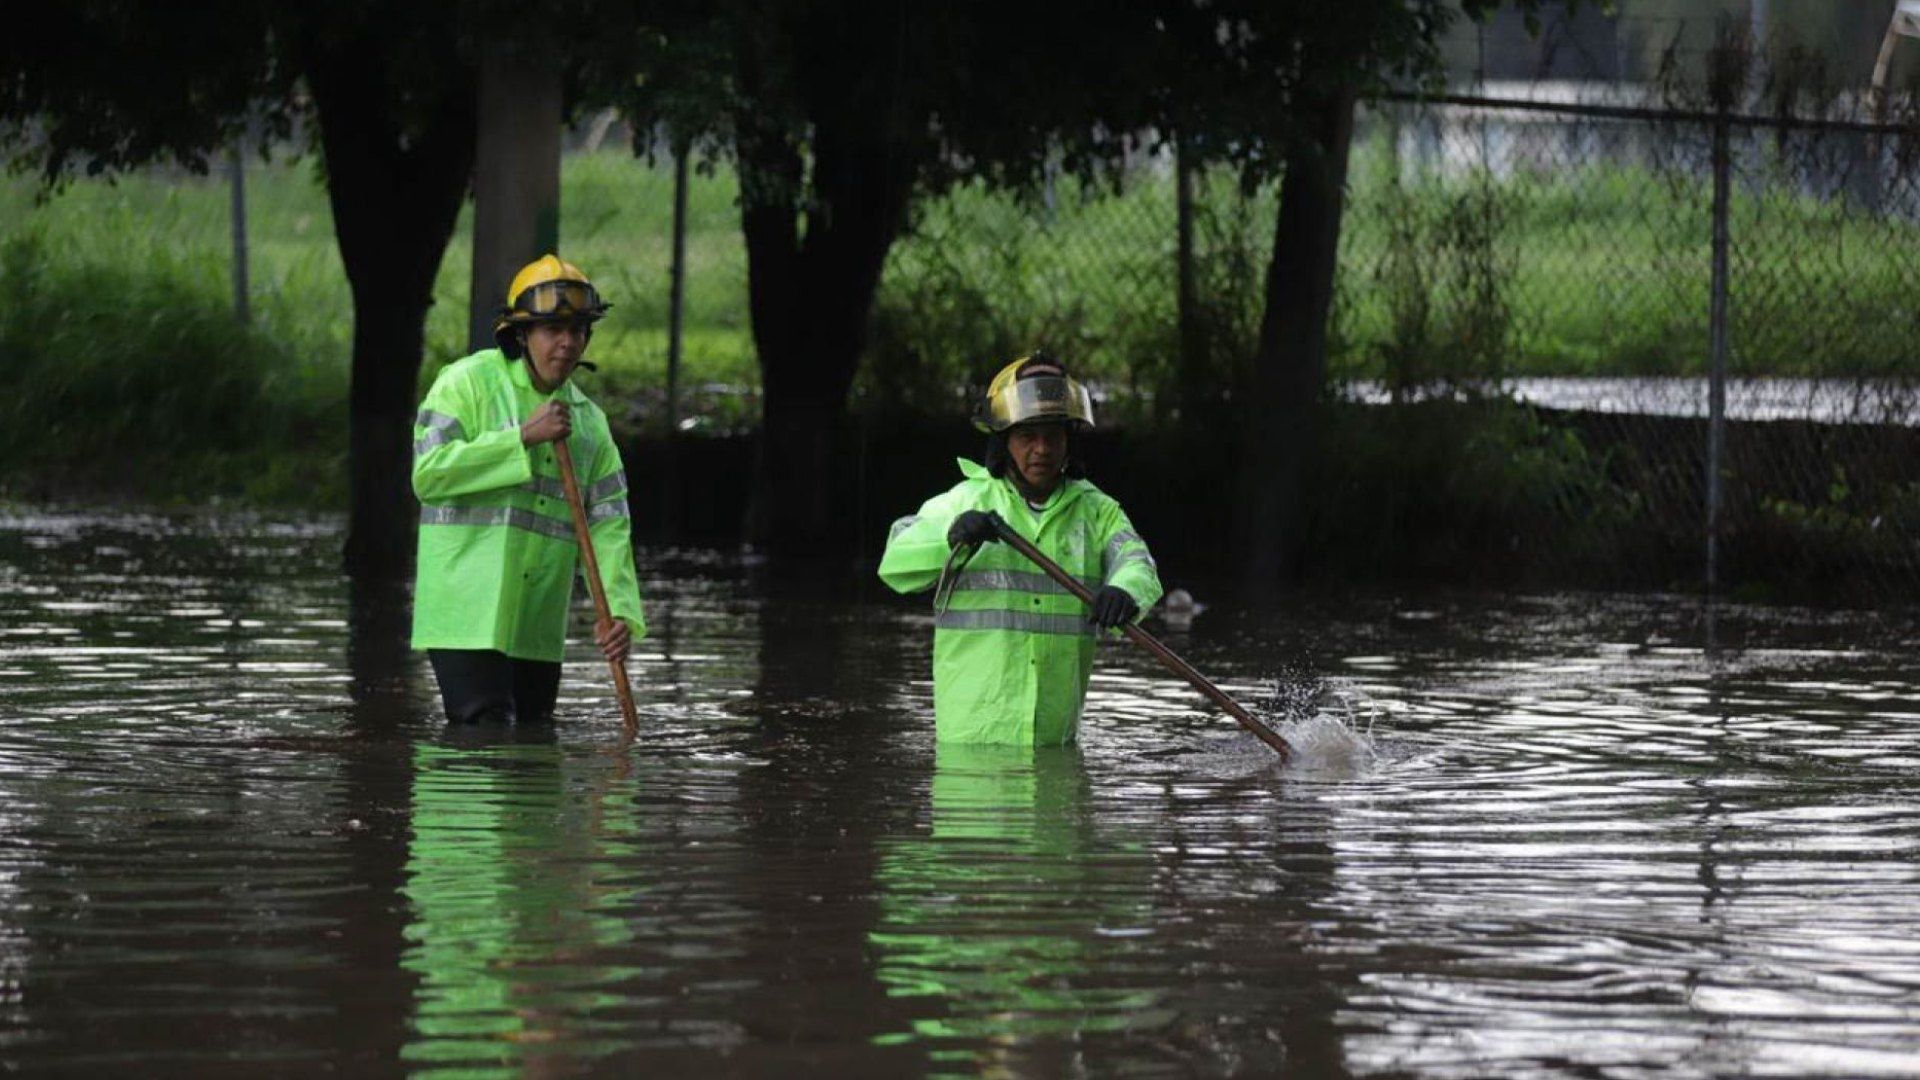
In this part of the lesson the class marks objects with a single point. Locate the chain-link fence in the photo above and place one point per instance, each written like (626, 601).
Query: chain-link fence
(1533, 322)
(1721, 308)
(1088, 271)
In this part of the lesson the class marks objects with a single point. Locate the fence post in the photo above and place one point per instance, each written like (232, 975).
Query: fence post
(237, 203)
(677, 286)
(1717, 349)
(1190, 377)
(676, 333)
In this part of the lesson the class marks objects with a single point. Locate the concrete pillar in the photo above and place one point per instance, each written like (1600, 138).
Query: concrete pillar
(516, 177)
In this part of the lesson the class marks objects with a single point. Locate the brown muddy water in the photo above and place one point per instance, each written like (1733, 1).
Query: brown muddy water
(1599, 836)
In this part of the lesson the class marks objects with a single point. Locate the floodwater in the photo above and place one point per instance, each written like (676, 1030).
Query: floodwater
(1595, 836)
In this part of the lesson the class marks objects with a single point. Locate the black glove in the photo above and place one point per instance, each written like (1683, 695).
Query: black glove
(973, 527)
(1112, 605)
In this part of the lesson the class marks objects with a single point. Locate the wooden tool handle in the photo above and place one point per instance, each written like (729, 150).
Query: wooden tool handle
(584, 536)
(1150, 643)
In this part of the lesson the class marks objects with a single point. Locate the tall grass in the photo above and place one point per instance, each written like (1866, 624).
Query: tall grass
(1605, 269)
(131, 373)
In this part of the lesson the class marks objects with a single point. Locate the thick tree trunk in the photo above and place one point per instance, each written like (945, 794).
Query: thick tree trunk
(396, 188)
(516, 176)
(1279, 410)
(810, 296)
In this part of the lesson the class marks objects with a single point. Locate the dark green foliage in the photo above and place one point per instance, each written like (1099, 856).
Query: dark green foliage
(1458, 489)
(100, 87)
(137, 379)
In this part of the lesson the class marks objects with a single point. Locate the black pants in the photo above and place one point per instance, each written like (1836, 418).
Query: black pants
(485, 686)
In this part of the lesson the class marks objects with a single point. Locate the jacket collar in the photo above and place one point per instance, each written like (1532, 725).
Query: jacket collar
(1069, 489)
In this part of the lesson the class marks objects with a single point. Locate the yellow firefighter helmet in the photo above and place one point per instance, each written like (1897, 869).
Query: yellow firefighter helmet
(1035, 387)
(548, 289)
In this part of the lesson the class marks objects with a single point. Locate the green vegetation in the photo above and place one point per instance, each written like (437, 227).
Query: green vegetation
(1604, 270)
(130, 373)
(121, 303)
(122, 315)
(1447, 487)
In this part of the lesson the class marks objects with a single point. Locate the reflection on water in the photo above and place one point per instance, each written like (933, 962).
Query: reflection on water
(1004, 917)
(506, 889)
(1597, 835)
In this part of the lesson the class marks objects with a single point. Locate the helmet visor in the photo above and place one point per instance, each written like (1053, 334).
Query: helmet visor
(1046, 397)
(560, 299)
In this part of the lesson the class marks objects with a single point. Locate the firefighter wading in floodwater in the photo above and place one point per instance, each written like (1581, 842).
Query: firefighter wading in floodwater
(497, 550)
(1012, 650)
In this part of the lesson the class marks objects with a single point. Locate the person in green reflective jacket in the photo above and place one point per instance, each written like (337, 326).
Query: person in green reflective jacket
(497, 552)
(1012, 650)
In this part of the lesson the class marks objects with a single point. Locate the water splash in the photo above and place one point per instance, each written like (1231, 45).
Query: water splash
(1328, 725)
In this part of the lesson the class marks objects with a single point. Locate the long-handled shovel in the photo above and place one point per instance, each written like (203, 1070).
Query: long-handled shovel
(584, 536)
(1150, 643)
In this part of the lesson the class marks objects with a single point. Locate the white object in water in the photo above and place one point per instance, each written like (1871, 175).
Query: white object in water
(1178, 608)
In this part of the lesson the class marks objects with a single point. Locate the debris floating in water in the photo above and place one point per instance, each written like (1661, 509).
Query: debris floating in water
(1178, 609)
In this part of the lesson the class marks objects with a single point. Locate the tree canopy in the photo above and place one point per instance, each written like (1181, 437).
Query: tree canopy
(96, 88)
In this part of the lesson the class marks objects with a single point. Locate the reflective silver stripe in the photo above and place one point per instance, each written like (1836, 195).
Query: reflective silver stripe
(545, 485)
(1027, 581)
(901, 526)
(607, 487)
(432, 439)
(1129, 559)
(441, 428)
(612, 508)
(554, 489)
(511, 516)
(434, 421)
(1071, 625)
(1111, 558)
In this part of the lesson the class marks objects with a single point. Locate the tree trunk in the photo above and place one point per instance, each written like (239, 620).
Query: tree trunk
(516, 176)
(810, 296)
(1279, 409)
(396, 189)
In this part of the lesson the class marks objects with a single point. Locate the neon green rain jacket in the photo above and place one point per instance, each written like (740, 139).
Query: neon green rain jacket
(497, 553)
(1013, 651)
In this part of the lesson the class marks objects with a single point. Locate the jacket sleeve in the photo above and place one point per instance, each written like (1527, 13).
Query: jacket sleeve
(917, 543)
(451, 458)
(610, 523)
(1125, 561)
